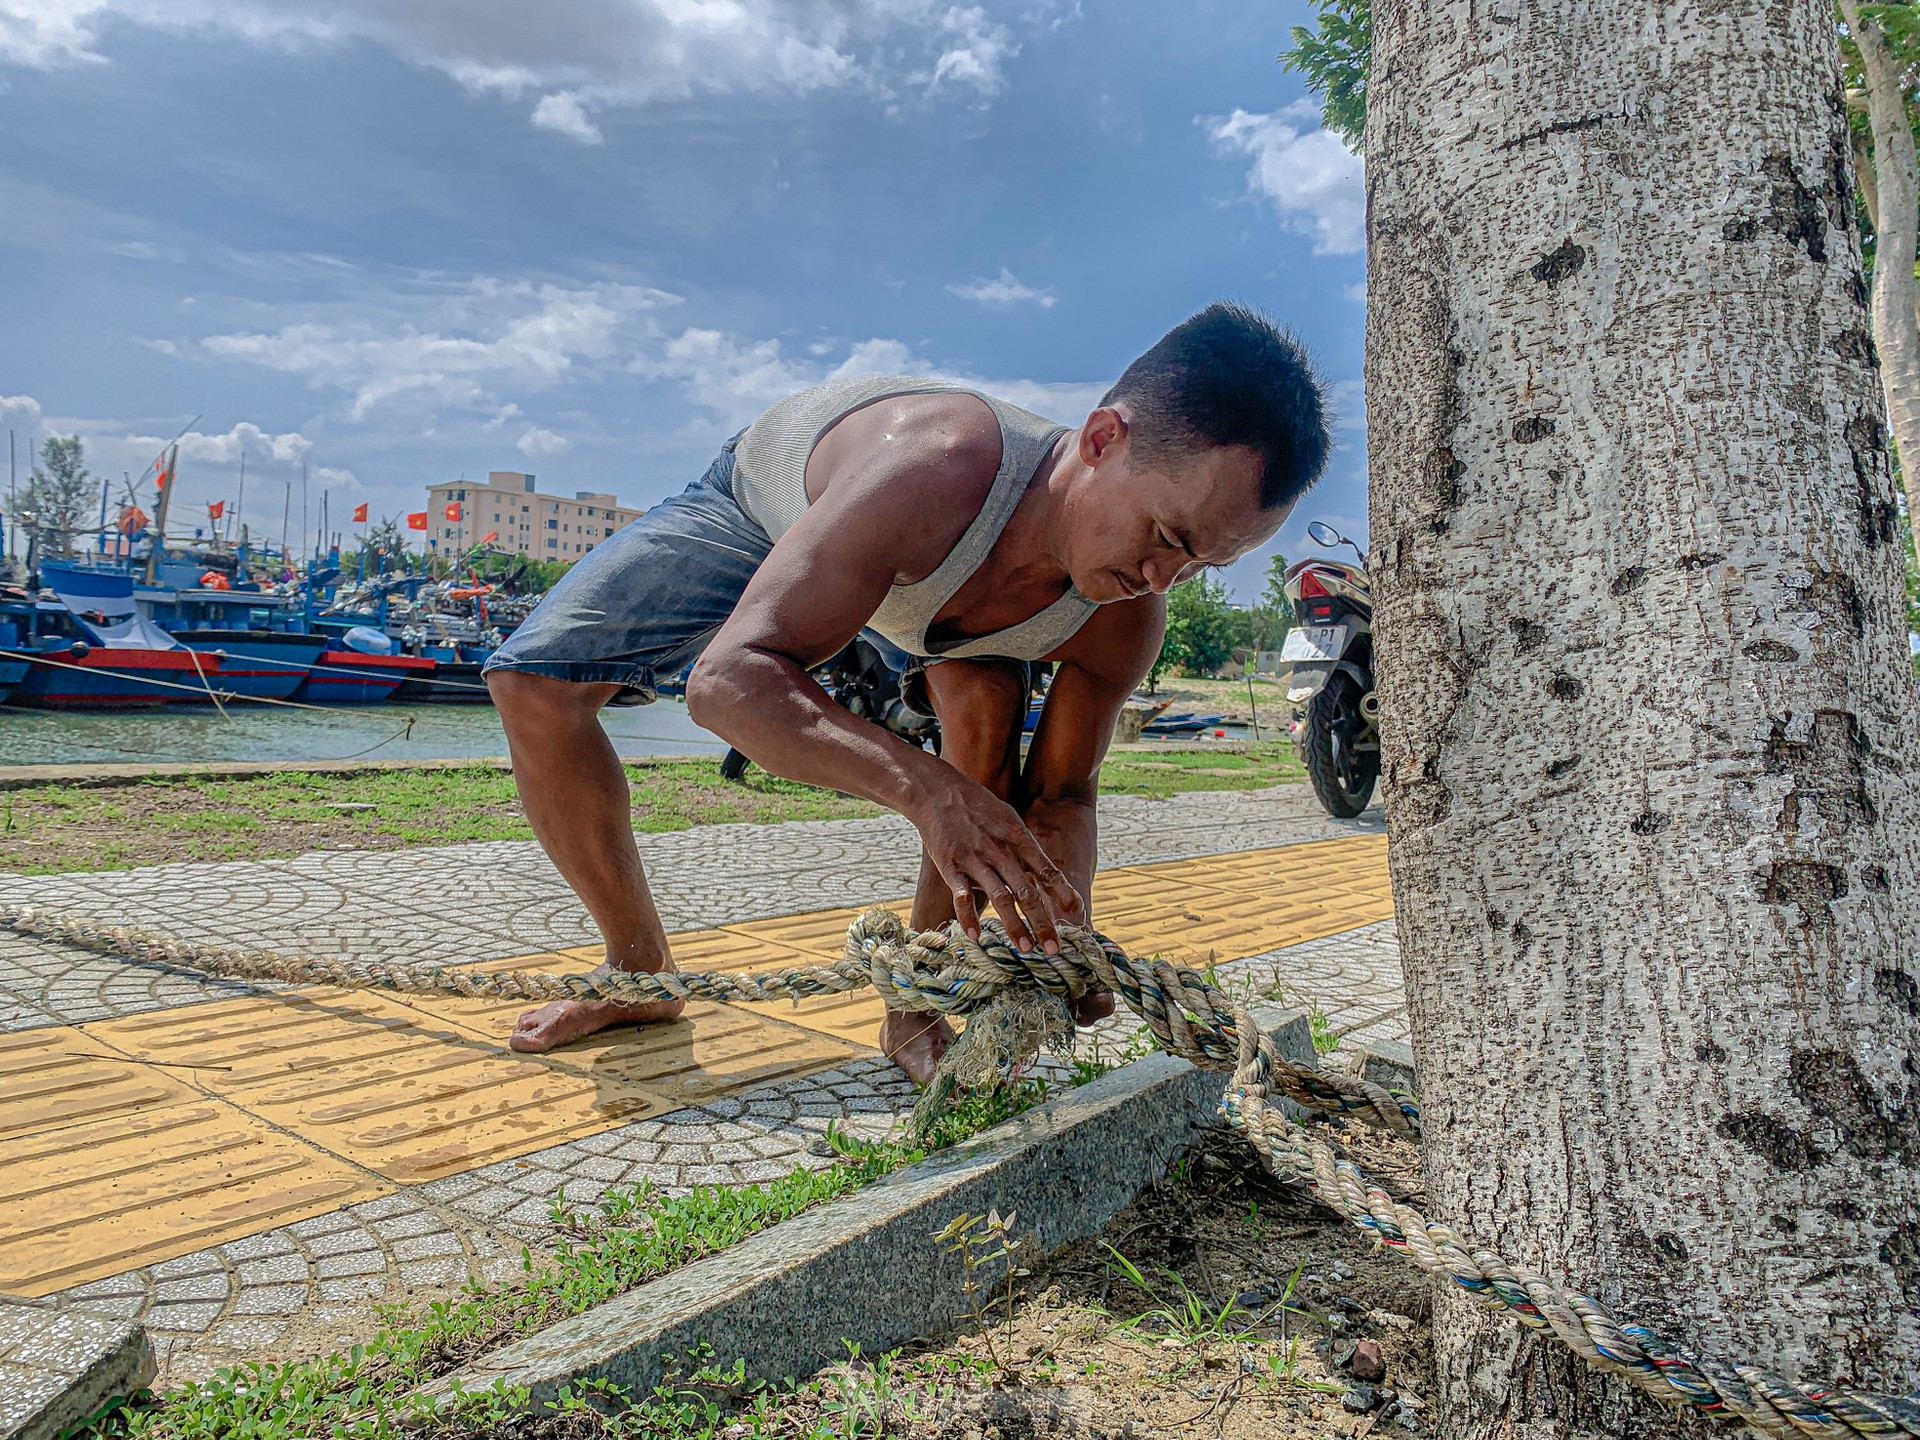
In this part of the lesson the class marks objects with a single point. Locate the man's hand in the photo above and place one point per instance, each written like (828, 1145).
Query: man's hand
(982, 848)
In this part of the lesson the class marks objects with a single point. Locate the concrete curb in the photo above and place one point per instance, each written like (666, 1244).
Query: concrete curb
(864, 1268)
(1387, 1063)
(60, 1368)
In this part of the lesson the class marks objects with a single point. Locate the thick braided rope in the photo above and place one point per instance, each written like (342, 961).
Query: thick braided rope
(1193, 1018)
(944, 970)
(934, 971)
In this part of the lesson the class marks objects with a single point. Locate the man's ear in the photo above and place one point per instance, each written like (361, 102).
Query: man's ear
(1105, 428)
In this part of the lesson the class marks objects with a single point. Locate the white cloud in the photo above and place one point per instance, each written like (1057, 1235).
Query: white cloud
(1005, 289)
(1315, 182)
(21, 413)
(582, 55)
(1356, 293)
(332, 477)
(738, 379)
(537, 443)
(458, 347)
(245, 438)
(563, 114)
(976, 52)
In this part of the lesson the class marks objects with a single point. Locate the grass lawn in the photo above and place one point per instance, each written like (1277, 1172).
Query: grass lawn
(53, 828)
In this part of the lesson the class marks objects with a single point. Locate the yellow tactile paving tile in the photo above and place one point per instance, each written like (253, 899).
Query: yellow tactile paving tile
(711, 1050)
(111, 1163)
(381, 1084)
(1212, 908)
(133, 1140)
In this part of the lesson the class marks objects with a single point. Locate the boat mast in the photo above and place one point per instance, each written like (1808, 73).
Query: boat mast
(241, 499)
(169, 469)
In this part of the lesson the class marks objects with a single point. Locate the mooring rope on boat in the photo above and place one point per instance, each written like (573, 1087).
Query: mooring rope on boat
(1018, 1000)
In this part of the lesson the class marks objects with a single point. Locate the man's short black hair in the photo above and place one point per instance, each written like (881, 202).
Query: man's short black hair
(1231, 376)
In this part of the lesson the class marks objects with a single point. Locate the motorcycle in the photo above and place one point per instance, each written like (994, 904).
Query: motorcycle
(865, 678)
(1331, 648)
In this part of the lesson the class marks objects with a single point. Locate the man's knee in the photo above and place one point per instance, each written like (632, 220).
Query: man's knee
(982, 705)
(524, 698)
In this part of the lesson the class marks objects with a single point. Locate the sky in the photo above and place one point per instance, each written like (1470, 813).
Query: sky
(403, 241)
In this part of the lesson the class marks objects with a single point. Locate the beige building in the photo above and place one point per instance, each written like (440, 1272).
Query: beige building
(526, 522)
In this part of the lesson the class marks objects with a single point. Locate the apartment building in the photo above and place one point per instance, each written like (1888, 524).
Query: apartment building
(547, 527)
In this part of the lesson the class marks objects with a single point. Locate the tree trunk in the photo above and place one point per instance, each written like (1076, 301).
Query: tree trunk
(1896, 226)
(1649, 726)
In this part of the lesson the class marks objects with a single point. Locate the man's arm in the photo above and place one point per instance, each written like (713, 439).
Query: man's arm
(1099, 668)
(897, 512)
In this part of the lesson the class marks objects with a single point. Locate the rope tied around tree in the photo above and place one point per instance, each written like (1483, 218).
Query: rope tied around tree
(1018, 1003)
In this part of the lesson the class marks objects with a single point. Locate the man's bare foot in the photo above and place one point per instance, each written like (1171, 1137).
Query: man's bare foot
(561, 1022)
(915, 1042)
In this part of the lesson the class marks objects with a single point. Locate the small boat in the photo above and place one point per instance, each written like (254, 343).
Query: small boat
(349, 677)
(451, 682)
(1184, 723)
(77, 675)
(94, 650)
(16, 631)
(257, 664)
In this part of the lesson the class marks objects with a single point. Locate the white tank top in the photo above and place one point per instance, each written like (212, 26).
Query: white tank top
(770, 484)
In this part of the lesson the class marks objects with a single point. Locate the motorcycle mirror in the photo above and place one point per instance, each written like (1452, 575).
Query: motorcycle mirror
(1324, 534)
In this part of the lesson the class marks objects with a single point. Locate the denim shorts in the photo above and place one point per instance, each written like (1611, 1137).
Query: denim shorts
(640, 607)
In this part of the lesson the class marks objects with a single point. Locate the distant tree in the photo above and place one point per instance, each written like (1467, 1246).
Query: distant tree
(1200, 629)
(59, 496)
(384, 547)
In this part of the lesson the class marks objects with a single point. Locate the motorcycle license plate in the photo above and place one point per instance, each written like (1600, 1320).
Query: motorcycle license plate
(1314, 642)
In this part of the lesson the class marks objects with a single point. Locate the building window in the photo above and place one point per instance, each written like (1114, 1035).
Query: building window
(551, 542)
(553, 524)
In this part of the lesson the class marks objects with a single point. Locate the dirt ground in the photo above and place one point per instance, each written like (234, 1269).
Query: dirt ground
(1218, 1305)
(1262, 1317)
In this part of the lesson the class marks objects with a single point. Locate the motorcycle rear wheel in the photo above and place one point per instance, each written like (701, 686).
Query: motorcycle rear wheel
(1342, 777)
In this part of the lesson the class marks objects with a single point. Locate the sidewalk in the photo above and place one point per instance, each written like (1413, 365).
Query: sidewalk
(251, 1175)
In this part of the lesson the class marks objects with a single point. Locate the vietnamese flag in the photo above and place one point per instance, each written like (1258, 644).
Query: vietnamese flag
(216, 509)
(162, 475)
(452, 512)
(360, 513)
(417, 520)
(133, 520)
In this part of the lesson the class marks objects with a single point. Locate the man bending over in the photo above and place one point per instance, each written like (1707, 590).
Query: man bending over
(972, 534)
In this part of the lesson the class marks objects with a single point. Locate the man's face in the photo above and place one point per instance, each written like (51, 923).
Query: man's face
(1146, 523)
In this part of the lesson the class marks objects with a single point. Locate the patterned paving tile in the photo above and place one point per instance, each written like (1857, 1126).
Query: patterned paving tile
(309, 1284)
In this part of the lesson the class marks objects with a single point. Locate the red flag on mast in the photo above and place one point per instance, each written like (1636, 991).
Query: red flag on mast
(216, 509)
(452, 512)
(360, 513)
(417, 520)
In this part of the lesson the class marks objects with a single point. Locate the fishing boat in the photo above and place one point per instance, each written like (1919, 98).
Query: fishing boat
(1184, 723)
(16, 631)
(359, 669)
(93, 650)
(258, 664)
(452, 681)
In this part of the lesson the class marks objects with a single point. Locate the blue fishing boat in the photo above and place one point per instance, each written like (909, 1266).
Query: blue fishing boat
(359, 668)
(258, 664)
(16, 635)
(1185, 723)
(93, 650)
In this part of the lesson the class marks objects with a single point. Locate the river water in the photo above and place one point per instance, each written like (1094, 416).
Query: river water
(258, 732)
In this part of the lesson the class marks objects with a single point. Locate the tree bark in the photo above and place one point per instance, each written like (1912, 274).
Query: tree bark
(1896, 226)
(1649, 729)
